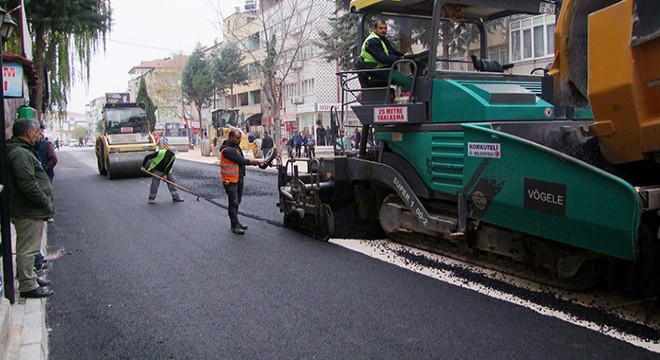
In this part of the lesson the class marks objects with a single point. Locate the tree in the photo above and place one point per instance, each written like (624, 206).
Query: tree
(227, 69)
(196, 82)
(66, 34)
(340, 42)
(286, 26)
(79, 132)
(143, 97)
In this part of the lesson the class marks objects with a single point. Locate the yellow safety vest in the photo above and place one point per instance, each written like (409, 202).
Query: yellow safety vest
(159, 158)
(367, 57)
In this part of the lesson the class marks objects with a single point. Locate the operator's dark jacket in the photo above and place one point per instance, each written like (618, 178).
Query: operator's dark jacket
(236, 156)
(165, 165)
(30, 193)
(375, 48)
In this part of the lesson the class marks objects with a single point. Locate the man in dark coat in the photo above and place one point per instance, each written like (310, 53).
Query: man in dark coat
(30, 203)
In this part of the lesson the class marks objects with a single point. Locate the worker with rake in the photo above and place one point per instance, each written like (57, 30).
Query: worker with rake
(161, 168)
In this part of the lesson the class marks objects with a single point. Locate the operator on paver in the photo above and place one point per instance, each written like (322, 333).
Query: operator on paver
(232, 171)
(377, 52)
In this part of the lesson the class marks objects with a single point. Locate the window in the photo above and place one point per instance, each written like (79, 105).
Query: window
(255, 97)
(499, 53)
(532, 38)
(306, 52)
(253, 71)
(253, 42)
(291, 90)
(307, 87)
(243, 99)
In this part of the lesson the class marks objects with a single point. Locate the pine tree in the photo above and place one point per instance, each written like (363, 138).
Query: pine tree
(227, 69)
(144, 98)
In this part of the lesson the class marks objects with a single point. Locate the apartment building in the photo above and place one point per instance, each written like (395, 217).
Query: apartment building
(241, 30)
(163, 80)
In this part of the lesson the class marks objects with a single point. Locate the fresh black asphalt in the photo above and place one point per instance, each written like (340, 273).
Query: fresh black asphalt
(170, 281)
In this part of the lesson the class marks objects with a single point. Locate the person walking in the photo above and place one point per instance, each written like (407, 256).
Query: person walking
(232, 172)
(161, 165)
(47, 156)
(266, 144)
(311, 147)
(30, 203)
(298, 142)
(290, 148)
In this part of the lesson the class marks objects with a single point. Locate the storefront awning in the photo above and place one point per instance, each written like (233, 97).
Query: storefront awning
(253, 120)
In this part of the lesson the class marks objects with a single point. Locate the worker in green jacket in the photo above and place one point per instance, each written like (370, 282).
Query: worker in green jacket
(161, 165)
(377, 52)
(30, 204)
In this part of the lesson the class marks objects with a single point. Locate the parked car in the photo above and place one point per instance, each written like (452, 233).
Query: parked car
(73, 142)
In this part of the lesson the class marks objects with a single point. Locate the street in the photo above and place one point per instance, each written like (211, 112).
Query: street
(170, 281)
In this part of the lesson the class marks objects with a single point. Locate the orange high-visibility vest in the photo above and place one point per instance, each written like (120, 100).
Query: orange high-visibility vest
(228, 169)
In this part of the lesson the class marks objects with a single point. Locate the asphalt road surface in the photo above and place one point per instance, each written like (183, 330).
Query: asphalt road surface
(170, 281)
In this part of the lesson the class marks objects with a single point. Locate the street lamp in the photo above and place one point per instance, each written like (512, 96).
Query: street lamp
(6, 29)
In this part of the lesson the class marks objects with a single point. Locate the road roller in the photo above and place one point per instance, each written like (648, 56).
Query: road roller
(124, 140)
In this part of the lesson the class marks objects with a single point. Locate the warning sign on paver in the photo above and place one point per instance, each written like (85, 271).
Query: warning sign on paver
(390, 114)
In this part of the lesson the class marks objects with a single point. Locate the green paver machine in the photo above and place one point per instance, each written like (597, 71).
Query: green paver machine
(485, 160)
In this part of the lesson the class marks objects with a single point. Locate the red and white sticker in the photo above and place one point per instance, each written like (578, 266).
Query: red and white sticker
(484, 150)
(126, 129)
(390, 114)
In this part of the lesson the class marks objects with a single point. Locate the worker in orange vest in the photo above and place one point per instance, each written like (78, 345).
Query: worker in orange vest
(232, 171)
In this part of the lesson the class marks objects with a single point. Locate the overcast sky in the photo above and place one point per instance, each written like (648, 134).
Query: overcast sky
(147, 30)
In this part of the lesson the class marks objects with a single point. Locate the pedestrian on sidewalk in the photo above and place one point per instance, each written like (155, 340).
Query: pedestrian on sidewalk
(266, 144)
(232, 172)
(310, 146)
(30, 203)
(161, 165)
(290, 148)
(47, 156)
(298, 142)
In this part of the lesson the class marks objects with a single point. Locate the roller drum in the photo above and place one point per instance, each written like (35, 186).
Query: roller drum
(126, 165)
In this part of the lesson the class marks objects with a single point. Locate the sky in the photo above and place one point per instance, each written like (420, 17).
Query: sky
(146, 30)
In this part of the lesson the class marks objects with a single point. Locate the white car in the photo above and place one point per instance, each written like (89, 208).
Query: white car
(73, 142)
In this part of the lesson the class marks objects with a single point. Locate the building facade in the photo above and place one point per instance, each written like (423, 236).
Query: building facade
(163, 80)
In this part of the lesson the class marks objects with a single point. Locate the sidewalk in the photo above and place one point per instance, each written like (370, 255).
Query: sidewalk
(23, 331)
